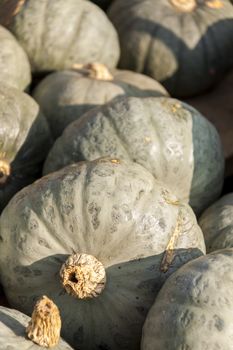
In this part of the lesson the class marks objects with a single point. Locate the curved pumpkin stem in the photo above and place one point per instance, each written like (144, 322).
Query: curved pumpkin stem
(5, 171)
(96, 71)
(184, 5)
(45, 325)
(83, 276)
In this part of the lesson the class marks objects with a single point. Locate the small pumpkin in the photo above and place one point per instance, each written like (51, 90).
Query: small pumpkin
(24, 141)
(100, 238)
(169, 138)
(14, 65)
(65, 96)
(187, 45)
(194, 308)
(58, 34)
(217, 224)
(14, 326)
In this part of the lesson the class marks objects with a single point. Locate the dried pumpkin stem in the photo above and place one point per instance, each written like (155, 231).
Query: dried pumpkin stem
(184, 5)
(5, 171)
(83, 276)
(169, 252)
(96, 71)
(45, 325)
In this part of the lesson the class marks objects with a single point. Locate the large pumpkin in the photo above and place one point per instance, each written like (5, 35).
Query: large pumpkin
(24, 141)
(13, 335)
(57, 34)
(194, 309)
(168, 137)
(65, 96)
(125, 232)
(185, 44)
(14, 65)
(217, 224)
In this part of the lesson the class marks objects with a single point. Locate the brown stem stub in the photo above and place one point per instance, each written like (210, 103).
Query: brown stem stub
(96, 71)
(5, 171)
(45, 325)
(184, 5)
(83, 276)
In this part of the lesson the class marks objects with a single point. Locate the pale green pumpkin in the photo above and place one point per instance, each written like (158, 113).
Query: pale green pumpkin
(24, 141)
(14, 65)
(109, 210)
(217, 224)
(169, 138)
(187, 45)
(194, 308)
(65, 96)
(58, 34)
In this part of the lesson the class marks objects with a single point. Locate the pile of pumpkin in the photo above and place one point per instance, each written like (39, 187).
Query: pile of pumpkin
(111, 225)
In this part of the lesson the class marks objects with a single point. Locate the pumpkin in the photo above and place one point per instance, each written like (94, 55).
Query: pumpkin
(14, 65)
(187, 45)
(24, 141)
(216, 223)
(194, 308)
(13, 324)
(99, 238)
(169, 138)
(65, 96)
(58, 34)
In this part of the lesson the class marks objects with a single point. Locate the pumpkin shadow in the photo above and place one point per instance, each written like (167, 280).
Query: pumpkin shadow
(26, 166)
(143, 278)
(17, 327)
(210, 72)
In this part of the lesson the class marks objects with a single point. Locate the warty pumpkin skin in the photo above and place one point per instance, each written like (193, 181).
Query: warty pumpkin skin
(14, 65)
(24, 141)
(185, 45)
(67, 95)
(194, 308)
(169, 138)
(112, 211)
(13, 335)
(57, 34)
(217, 224)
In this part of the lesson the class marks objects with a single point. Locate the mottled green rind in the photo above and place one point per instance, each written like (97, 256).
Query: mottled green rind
(217, 224)
(113, 210)
(188, 52)
(13, 335)
(176, 144)
(24, 140)
(194, 308)
(65, 96)
(15, 69)
(58, 34)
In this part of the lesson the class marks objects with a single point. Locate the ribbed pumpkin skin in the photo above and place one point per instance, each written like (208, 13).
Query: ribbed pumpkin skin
(58, 34)
(169, 138)
(24, 140)
(14, 65)
(194, 308)
(217, 224)
(113, 210)
(186, 51)
(66, 96)
(12, 332)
